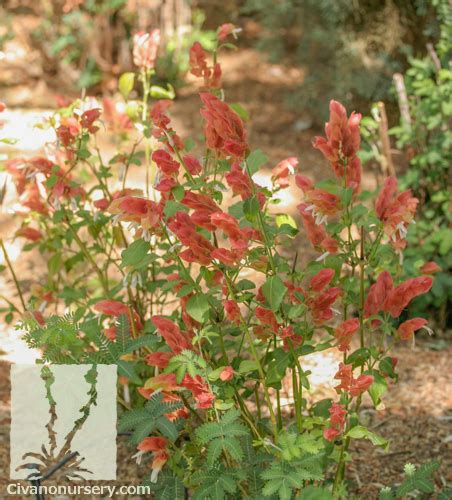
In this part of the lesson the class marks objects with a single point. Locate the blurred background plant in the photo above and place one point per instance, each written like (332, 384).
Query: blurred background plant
(350, 49)
(423, 137)
(87, 43)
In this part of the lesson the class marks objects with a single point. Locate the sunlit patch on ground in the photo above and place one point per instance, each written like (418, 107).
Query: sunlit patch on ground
(24, 127)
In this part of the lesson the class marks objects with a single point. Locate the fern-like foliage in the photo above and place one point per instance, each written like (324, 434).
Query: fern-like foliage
(169, 487)
(58, 340)
(315, 493)
(416, 480)
(253, 465)
(150, 418)
(186, 362)
(109, 352)
(283, 478)
(293, 445)
(221, 437)
(216, 483)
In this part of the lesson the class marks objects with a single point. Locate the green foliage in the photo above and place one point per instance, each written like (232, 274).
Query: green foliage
(274, 291)
(294, 445)
(156, 285)
(186, 362)
(343, 45)
(58, 339)
(214, 484)
(284, 478)
(150, 418)
(427, 141)
(360, 432)
(169, 487)
(416, 480)
(221, 437)
(430, 137)
(88, 41)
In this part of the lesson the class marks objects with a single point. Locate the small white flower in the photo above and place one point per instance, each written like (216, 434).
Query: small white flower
(138, 456)
(319, 217)
(322, 257)
(429, 330)
(122, 171)
(403, 231)
(146, 235)
(115, 219)
(235, 32)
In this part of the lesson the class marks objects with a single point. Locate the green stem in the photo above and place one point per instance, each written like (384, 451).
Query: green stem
(262, 225)
(255, 355)
(144, 113)
(86, 253)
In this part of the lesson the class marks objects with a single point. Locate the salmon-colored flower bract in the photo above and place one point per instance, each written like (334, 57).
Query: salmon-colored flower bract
(338, 414)
(176, 340)
(341, 144)
(224, 129)
(430, 268)
(344, 333)
(199, 67)
(407, 328)
(396, 211)
(145, 49)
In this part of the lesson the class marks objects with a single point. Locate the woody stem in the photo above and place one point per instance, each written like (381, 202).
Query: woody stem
(13, 274)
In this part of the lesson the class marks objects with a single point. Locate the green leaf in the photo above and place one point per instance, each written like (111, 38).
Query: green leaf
(125, 84)
(172, 207)
(240, 110)
(360, 432)
(178, 193)
(386, 494)
(378, 387)
(419, 480)
(277, 368)
(198, 307)
(287, 224)
(274, 291)
(314, 493)
(127, 369)
(247, 366)
(251, 208)
(135, 253)
(167, 428)
(255, 160)
(168, 487)
(158, 92)
(213, 484)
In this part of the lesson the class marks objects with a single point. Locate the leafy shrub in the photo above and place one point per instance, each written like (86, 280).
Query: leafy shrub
(342, 45)
(183, 285)
(91, 41)
(425, 137)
